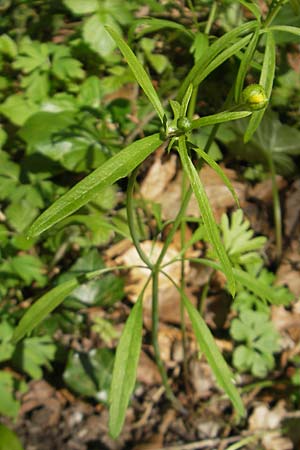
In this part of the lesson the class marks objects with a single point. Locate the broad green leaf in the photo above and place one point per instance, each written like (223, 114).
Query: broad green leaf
(49, 301)
(9, 406)
(206, 212)
(89, 374)
(139, 72)
(82, 7)
(9, 439)
(125, 367)
(115, 168)
(245, 62)
(266, 81)
(18, 109)
(217, 47)
(215, 359)
(219, 171)
(222, 117)
(95, 34)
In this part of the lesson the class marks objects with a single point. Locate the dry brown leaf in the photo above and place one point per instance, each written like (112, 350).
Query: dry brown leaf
(147, 371)
(168, 193)
(292, 209)
(264, 418)
(169, 297)
(263, 190)
(288, 271)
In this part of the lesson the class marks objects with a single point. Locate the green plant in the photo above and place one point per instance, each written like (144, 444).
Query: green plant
(176, 133)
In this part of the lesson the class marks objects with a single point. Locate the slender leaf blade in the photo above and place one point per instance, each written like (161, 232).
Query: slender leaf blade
(221, 117)
(219, 171)
(245, 62)
(266, 81)
(262, 290)
(48, 302)
(138, 71)
(284, 29)
(125, 367)
(217, 47)
(208, 218)
(115, 168)
(214, 357)
(252, 7)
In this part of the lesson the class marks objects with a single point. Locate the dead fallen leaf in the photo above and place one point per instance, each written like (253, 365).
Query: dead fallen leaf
(265, 418)
(292, 209)
(263, 190)
(147, 371)
(168, 193)
(288, 271)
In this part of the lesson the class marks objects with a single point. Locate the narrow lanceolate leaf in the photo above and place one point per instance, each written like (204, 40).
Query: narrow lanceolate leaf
(125, 367)
(138, 71)
(207, 215)
(49, 301)
(219, 171)
(220, 45)
(266, 81)
(115, 168)
(284, 29)
(245, 63)
(252, 7)
(214, 357)
(224, 116)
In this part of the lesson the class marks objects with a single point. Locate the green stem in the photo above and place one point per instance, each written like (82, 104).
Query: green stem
(273, 11)
(182, 285)
(155, 321)
(276, 208)
(131, 220)
(211, 17)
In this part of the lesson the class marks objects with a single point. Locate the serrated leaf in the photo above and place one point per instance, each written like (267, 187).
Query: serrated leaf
(125, 367)
(206, 212)
(139, 72)
(119, 166)
(215, 359)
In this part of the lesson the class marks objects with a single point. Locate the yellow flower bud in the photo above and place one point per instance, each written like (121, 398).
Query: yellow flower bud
(254, 97)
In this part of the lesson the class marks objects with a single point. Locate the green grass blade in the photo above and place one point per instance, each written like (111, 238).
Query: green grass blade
(207, 215)
(224, 116)
(219, 171)
(266, 81)
(213, 355)
(49, 301)
(245, 62)
(125, 367)
(217, 47)
(138, 71)
(115, 168)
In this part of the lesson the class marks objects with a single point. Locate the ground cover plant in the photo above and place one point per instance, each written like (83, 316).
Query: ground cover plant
(90, 92)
